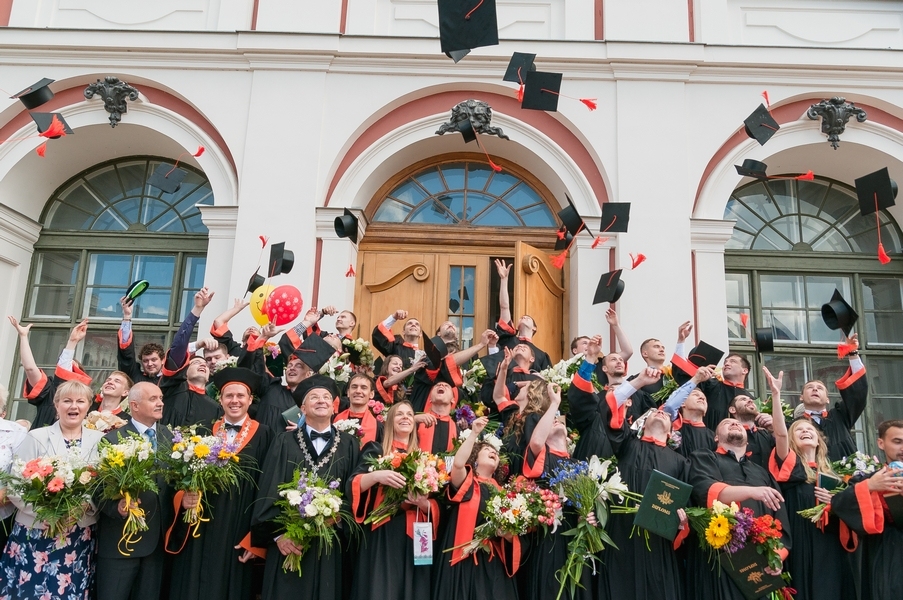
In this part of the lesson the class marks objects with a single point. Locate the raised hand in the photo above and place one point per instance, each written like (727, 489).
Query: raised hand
(479, 425)
(502, 268)
(202, 298)
(593, 349)
(400, 315)
(23, 330)
(126, 304)
(611, 316)
(683, 332)
(79, 332)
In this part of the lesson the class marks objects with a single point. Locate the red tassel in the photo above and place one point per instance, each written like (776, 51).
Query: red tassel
(350, 272)
(199, 152)
(56, 129)
(744, 320)
(883, 258)
(844, 349)
(767, 101)
(808, 176)
(637, 260)
(494, 166)
(561, 233)
(472, 10)
(42, 150)
(558, 259)
(263, 241)
(599, 240)
(590, 103)
(520, 93)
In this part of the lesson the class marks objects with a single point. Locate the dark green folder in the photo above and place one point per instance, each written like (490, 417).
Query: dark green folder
(658, 510)
(895, 508)
(747, 568)
(292, 416)
(828, 482)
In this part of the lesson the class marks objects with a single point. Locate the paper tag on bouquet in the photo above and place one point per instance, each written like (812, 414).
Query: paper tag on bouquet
(423, 543)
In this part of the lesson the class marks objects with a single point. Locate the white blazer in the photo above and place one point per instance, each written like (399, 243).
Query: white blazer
(49, 441)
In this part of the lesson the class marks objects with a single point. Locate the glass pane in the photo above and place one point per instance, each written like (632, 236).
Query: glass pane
(169, 222)
(46, 345)
(466, 332)
(99, 351)
(194, 224)
(132, 175)
(784, 196)
(740, 241)
(537, 216)
(789, 326)
(885, 375)
(812, 228)
(195, 267)
(106, 183)
(412, 193)
(789, 226)
(66, 217)
(454, 203)
(759, 202)
(51, 301)
(737, 287)
(157, 270)
(819, 332)
(828, 370)
(109, 269)
(498, 215)
(153, 304)
(454, 290)
(454, 176)
(187, 303)
(810, 196)
(820, 289)
(129, 208)
(838, 204)
(433, 213)
(468, 291)
(501, 183)
(152, 209)
(745, 218)
(391, 211)
(81, 198)
(832, 241)
(104, 302)
(477, 203)
(884, 328)
(431, 180)
(522, 196)
(769, 239)
(110, 221)
(881, 294)
(794, 368)
(781, 291)
(59, 268)
(735, 328)
(477, 176)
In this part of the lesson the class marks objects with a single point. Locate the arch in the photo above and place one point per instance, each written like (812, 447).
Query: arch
(158, 123)
(543, 144)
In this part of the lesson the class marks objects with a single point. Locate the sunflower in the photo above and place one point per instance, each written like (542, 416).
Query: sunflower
(718, 533)
(201, 450)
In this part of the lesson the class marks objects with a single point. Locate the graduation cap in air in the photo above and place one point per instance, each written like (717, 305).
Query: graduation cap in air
(346, 226)
(764, 339)
(314, 382)
(246, 377)
(465, 25)
(167, 178)
(705, 354)
(760, 125)
(610, 288)
(314, 352)
(752, 168)
(541, 91)
(615, 217)
(564, 239)
(45, 124)
(876, 191)
(281, 260)
(571, 219)
(838, 314)
(521, 63)
(435, 349)
(35, 95)
(135, 289)
(255, 281)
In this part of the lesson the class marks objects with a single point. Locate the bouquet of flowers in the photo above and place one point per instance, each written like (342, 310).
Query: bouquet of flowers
(589, 487)
(309, 509)
(765, 406)
(126, 469)
(669, 385)
(379, 410)
(514, 510)
(202, 464)
(350, 426)
(358, 352)
(729, 528)
(56, 487)
(104, 421)
(467, 413)
(424, 474)
(473, 377)
(337, 368)
(855, 464)
(488, 436)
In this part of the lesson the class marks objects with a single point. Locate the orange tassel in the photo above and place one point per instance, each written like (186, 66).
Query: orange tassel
(199, 152)
(520, 93)
(42, 150)
(494, 166)
(744, 320)
(350, 272)
(590, 103)
(558, 259)
(599, 240)
(883, 258)
(56, 129)
(808, 176)
(844, 349)
(561, 233)
(263, 241)
(637, 260)
(767, 101)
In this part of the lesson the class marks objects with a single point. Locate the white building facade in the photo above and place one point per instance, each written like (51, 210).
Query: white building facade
(309, 108)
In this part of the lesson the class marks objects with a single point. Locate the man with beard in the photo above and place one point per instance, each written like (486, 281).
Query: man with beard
(728, 475)
(866, 505)
(719, 393)
(758, 426)
(578, 345)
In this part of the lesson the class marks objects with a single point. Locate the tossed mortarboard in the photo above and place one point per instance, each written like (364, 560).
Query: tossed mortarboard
(838, 314)
(467, 24)
(705, 354)
(764, 339)
(875, 191)
(167, 178)
(44, 121)
(281, 260)
(246, 377)
(521, 63)
(346, 226)
(610, 288)
(571, 219)
(255, 281)
(457, 55)
(314, 382)
(564, 240)
(135, 289)
(760, 125)
(615, 217)
(314, 352)
(435, 349)
(752, 168)
(35, 95)
(541, 91)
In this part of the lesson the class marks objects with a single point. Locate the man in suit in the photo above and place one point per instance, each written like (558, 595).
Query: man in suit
(136, 573)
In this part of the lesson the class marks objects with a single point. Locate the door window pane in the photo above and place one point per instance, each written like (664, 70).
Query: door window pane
(883, 304)
(738, 306)
(461, 302)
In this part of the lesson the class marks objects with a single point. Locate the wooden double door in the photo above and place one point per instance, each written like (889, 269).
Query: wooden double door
(461, 286)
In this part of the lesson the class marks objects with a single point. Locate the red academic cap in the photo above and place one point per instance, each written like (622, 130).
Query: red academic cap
(760, 125)
(35, 95)
(465, 25)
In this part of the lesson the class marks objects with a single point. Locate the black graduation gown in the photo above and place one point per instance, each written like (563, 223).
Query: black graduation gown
(183, 404)
(866, 513)
(321, 573)
(711, 472)
(759, 445)
(640, 568)
(549, 551)
(588, 415)
(718, 394)
(693, 437)
(128, 363)
(41, 397)
(479, 576)
(384, 563)
(208, 567)
(508, 339)
(818, 565)
(275, 399)
(438, 439)
(841, 419)
(388, 344)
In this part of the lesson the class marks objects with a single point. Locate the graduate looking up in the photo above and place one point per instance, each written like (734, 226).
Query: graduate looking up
(149, 365)
(436, 429)
(719, 392)
(404, 345)
(578, 345)
(509, 335)
(652, 351)
(694, 434)
(758, 425)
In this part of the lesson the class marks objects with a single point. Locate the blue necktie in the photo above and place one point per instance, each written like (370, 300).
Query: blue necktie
(152, 438)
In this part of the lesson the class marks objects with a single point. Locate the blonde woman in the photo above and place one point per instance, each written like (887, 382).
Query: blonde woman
(34, 565)
(818, 562)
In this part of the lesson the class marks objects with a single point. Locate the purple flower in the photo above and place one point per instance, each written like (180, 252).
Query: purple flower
(740, 531)
(465, 413)
(334, 484)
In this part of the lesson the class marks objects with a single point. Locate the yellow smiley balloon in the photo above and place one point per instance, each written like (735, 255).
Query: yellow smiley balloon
(258, 300)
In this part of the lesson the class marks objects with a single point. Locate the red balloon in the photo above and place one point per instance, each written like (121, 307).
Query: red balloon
(283, 305)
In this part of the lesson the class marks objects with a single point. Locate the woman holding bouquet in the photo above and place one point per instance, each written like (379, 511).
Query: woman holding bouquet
(210, 564)
(385, 566)
(479, 576)
(34, 564)
(818, 564)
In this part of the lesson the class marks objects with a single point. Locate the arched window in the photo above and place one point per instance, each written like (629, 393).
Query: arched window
(465, 193)
(794, 243)
(103, 229)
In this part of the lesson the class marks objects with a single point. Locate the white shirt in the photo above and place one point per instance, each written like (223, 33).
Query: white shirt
(231, 433)
(11, 436)
(318, 443)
